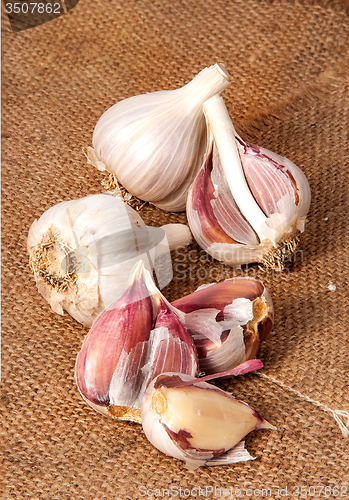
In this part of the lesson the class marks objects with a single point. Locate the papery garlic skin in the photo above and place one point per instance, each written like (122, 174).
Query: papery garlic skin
(227, 321)
(247, 204)
(129, 344)
(198, 423)
(154, 143)
(82, 252)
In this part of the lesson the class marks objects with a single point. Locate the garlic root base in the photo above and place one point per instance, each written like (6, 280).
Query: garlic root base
(276, 257)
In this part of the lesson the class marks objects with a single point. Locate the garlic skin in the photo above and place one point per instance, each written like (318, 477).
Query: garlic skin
(247, 204)
(82, 251)
(154, 143)
(130, 343)
(198, 423)
(227, 321)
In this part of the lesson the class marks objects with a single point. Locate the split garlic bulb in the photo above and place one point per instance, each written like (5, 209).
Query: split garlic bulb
(227, 321)
(82, 252)
(155, 143)
(247, 204)
(197, 422)
(130, 343)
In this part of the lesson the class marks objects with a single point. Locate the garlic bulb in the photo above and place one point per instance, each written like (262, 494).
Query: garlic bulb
(227, 321)
(82, 252)
(247, 204)
(130, 343)
(154, 143)
(196, 421)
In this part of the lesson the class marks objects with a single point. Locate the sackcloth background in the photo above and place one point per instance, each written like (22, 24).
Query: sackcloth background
(289, 63)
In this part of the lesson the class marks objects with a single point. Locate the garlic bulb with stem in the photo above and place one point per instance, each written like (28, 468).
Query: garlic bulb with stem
(247, 204)
(227, 321)
(82, 252)
(197, 422)
(130, 343)
(154, 143)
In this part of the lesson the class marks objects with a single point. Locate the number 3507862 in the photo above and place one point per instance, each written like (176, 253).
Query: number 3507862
(30, 8)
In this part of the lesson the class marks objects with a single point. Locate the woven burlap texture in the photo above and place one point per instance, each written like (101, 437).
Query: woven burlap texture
(289, 93)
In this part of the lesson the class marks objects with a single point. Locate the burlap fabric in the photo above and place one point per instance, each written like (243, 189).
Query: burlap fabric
(289, 93)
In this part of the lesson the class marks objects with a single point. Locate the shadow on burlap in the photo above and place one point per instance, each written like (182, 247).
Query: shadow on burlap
(289, 93)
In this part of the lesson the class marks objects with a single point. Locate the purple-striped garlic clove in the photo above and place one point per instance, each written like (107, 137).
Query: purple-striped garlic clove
(174, 349)
(228, 321)
(247, 204)
(122, 352)
(198, 423)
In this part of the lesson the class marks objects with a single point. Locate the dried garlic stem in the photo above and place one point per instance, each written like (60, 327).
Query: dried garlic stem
(224, 134)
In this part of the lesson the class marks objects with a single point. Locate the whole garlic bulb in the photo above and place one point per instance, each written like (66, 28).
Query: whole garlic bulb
(197, 422)
(82, 251)
(154, 143)
(247, 204)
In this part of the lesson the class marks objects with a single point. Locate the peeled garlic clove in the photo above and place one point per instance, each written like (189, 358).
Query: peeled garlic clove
(154, 143)
(197, 423)
(228, 321)
(82, 252)
(122, 352)
(247, 204)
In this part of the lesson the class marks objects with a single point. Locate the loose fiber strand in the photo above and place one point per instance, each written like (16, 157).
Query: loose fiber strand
(340, 416)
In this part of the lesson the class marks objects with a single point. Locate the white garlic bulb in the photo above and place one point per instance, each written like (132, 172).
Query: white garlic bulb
(197, 422)
(247, 204)
(155, 143)
(82, 252)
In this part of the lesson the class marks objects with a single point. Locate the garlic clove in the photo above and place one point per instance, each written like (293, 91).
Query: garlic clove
(247, 204)
(212, 213)
(82, 252)
(230, 353)
(239, 314)
(122, 352)
(220, 295)
(115, 350)
(154, 143)
(272, 178)
(195, 423)
(175, 351)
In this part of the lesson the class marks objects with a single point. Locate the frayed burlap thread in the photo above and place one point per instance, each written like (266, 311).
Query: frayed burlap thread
(340, 416)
